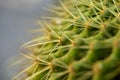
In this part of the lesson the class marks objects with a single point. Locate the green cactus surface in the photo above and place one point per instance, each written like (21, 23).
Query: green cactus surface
(80, 42)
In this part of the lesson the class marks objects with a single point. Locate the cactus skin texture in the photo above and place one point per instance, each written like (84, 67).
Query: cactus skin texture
(82, 42)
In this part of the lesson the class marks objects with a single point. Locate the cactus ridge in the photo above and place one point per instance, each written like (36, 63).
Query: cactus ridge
(82, 42)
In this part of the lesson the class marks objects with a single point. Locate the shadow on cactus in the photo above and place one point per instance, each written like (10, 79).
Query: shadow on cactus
(81, 42)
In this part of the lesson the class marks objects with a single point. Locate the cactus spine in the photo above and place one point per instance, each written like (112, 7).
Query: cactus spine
(82, 42)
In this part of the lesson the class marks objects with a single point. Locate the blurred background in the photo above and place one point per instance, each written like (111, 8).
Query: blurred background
(17, 18)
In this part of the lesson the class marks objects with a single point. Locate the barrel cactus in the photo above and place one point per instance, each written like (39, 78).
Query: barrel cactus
(81, 42)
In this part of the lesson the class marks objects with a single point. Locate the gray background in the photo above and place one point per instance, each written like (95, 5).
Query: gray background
(17, 18)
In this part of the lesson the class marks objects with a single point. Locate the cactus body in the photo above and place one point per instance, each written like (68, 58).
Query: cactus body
(82, 42)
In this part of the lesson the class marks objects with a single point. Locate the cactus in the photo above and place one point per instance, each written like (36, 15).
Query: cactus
(81, 42)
